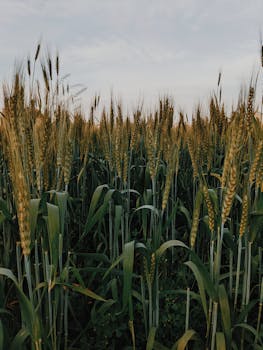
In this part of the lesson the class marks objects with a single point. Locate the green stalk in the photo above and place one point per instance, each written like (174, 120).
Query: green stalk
(212, 248)
(43, 259)
(18, 263)
(48, 274)
(212, 273)
(208, 328)
(58, 176)
(37, 273)
(127, 214)
(157, 297)
(59, 332)
(150, 304)
(220, 235)
(38, 344)
(122, 232)
(60, 251)
(173, 237)
(214, 324)
(174, 194)
(54, 328)
(153, 219)
(7, 244)
(116, 245)
(66, 305)
(110, 231)
(230, 273)
(248, 273)
(28, 277)
(238, 270)
(187, 315)
(244, 290)
(166, 218)
(144, 304)
(259, 268)
(259, 312)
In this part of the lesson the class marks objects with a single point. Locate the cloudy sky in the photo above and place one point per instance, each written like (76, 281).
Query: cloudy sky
(140, 49)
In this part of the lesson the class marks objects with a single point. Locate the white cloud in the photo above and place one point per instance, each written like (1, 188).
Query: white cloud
(13, 10)
(120, 51)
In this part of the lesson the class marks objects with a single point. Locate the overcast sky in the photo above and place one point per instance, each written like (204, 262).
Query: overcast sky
(140, 49)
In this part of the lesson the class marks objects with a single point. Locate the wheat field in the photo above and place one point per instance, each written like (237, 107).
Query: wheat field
(128, 232)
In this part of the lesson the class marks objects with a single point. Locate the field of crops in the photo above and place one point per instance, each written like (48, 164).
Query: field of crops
(128, 232)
